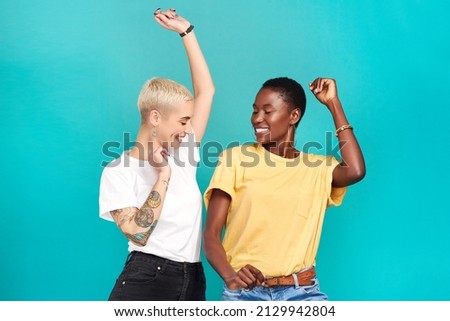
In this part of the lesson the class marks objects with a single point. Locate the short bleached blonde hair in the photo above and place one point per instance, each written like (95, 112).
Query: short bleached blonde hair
(161, 94)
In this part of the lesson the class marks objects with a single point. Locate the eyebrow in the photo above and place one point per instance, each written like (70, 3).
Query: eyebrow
(263, 106)
(185, 118)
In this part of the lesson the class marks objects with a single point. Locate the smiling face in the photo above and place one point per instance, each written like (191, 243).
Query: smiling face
(273, 120)
(176, 125)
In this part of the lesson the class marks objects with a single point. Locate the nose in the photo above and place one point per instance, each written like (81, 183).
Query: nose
(189, 128)
(257, 118)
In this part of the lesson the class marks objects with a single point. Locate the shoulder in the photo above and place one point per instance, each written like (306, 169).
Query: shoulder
(240, 149)
(238, 153)
(120, 166)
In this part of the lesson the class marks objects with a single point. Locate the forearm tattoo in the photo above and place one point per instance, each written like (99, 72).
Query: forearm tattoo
(141, 238)
(123, 216)
(154, 199)
(166, 183)
(144, 218)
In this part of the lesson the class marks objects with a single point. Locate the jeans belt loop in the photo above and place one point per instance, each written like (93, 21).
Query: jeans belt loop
(294, 275)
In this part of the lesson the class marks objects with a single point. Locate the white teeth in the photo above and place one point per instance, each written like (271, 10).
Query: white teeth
(261, 130)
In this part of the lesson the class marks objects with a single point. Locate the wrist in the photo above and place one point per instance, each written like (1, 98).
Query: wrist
(188, 30)
(332, 101)
(333, 104)
(229, 278)
(229, 282)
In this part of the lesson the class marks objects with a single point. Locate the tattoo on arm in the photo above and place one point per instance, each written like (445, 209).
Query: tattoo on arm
(123, 215)
(166, 183)
(154, 199)
(141, 238)
(144, 218)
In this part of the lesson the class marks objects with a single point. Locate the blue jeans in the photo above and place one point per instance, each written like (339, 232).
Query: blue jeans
(277, 293)
(147, 277)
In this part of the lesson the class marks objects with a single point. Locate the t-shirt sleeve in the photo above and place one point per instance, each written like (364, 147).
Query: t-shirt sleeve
(224, 177)
(336, 194)
(116, 192)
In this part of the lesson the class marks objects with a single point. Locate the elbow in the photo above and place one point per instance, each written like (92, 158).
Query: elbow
(358, 174)
(138, 243)
(210, 90)
(138, 239)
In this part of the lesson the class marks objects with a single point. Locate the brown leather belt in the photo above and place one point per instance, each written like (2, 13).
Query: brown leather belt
(303, 277)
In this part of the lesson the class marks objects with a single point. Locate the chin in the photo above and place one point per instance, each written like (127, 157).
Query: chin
(175, 144)
(263, 140)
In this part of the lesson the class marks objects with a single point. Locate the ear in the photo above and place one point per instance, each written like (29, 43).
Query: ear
(154, 117)
(295, 116)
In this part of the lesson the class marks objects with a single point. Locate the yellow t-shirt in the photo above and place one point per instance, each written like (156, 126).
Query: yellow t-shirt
(277, 207)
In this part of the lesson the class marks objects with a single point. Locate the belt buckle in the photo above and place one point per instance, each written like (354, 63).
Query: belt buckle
(266, 278)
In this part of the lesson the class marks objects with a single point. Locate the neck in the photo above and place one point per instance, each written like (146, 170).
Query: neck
(284, 149)
(285, 146)
(144, 143)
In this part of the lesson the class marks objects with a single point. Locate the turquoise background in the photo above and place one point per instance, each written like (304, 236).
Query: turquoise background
(70, 73)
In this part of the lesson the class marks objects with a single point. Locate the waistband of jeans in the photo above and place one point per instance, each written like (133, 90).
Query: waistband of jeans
(164, 261)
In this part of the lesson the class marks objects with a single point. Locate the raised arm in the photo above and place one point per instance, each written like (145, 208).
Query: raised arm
(138, 224)
(352, 168)
(202, 82)
(214, 251)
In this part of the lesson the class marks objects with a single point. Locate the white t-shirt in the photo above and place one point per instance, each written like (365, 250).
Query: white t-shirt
(127, 182)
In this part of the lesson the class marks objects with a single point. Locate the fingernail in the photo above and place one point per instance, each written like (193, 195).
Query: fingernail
(156, 11)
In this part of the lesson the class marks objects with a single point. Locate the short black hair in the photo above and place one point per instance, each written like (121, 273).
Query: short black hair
(290, 91)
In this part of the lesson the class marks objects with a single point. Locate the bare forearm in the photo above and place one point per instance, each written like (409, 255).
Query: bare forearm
(201, 78)
(352, 157)
(215, 253)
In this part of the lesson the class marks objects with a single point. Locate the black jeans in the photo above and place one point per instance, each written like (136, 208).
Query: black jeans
(148, 277)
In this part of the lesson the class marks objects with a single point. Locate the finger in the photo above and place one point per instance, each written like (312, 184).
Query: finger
(255, 272)
(159, 21)
(241, 284)
(165, 153)
(313, 85)
(163, 18)
(157, 15)
(157, 11)
(249, 278)
(250, 275)
(168, 14)
(327, 82)
(246, 276)
(319, 85)
(174, 12)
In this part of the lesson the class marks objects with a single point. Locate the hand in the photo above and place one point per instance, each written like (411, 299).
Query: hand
(158, 157)
(246, 278)
(170, 20)
(324, 89)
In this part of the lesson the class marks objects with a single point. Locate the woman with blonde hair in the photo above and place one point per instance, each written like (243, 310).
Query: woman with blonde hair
(151, 192)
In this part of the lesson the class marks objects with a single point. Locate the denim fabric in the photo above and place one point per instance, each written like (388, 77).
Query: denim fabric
(277, 293)
(147, 277)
